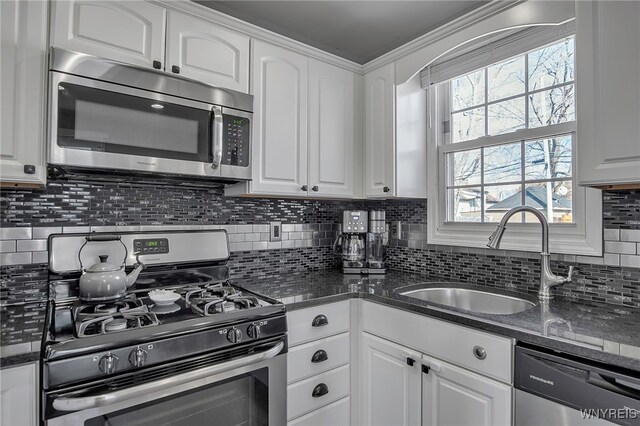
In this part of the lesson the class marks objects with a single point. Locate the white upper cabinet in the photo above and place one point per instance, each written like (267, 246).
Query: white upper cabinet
(389, 380)
(454, 396)
(207, 53)
(608, 92)
(127, 31)
(22, 91)
(379, 131)
(332, 131)
(279, 84)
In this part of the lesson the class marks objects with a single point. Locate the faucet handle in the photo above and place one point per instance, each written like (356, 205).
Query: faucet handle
(570, 275)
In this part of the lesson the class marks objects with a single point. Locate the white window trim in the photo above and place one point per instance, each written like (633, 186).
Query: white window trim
(583, 237)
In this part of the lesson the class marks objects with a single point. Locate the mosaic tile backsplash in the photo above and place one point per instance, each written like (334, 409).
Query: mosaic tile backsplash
(309, 228)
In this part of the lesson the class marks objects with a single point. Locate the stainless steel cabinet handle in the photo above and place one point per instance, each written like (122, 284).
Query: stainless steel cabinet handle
(216, 136)
(479, 352)
(86, 402)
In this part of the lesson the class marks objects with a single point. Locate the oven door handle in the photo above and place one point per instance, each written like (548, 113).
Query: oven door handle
(93, 401)
(217, 129)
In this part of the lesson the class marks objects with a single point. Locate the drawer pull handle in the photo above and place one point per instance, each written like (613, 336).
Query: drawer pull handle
(320, 390)
(319, 356)
(479, 352)
(319, 321)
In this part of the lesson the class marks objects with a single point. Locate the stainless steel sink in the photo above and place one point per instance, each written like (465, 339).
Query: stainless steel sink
(471, 300)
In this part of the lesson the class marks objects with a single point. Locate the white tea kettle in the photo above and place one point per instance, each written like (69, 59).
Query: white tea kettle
(105, 281)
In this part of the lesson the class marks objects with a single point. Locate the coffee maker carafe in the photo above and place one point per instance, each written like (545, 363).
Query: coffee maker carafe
(351, 244)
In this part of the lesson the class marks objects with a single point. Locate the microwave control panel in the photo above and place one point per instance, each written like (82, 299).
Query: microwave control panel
(235, 145)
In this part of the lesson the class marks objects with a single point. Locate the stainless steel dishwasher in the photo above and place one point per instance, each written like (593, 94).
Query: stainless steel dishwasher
(552, 389)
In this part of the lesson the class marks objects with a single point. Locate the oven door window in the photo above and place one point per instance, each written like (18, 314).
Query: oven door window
(104, 121)
(241, 400)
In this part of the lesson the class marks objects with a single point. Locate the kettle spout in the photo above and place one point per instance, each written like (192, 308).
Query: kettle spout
(133, 275)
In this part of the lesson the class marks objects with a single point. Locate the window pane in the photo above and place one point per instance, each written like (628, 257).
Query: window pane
(502, 163)
(552, 107)
(548, 158)
(506, 79)
(500, 199)
(465, 204)
(506, 117)
(467, 125)
(552, 65)
(553, 198)
(467, 91)
(466, 167)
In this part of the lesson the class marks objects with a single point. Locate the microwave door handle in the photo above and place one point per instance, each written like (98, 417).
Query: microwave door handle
(216, 136)
(100, 400)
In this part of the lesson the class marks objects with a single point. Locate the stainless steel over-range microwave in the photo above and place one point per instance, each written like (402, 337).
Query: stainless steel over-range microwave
(112, 116)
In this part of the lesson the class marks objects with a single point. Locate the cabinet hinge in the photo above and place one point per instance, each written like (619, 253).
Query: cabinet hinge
(425, 369)
(446, 126)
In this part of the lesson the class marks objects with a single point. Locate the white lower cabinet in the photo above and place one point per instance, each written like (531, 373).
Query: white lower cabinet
(389, 380)
(18, 396)
(319, 365)
(335, 414)
(457, 397)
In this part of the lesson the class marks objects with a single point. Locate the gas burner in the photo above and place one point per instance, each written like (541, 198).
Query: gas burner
(96, 325)
(218, 299)
(130, 304)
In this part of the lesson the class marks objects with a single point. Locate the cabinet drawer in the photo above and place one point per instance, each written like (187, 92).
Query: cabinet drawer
(334, 414)
(315, 323)
(329, 387)
(317, 357)
(443, 340)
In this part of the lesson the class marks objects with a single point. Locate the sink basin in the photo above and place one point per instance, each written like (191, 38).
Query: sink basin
(471, 300)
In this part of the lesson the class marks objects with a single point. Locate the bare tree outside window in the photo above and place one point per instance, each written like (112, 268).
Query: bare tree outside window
(531, 91)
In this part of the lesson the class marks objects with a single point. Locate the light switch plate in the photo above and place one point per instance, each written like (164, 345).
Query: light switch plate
(395, 230)
(275, 231)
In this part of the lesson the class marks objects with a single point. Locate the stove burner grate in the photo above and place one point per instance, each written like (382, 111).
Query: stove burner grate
(218, 298)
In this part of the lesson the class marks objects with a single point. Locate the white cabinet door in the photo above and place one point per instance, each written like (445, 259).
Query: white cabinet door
(608, 92)
(452, 396)
(127, 31)
(279, 85)
(22, 91)
(207, 53)
(332, 131)
(18, 396)
(389, 386)
(379, 131)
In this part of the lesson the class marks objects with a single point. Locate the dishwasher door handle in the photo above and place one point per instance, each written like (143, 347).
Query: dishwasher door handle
(613, 385)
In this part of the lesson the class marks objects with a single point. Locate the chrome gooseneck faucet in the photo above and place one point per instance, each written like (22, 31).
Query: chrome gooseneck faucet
(547, 278)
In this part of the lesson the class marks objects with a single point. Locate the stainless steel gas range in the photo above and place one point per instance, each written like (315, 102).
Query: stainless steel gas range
(185, 346)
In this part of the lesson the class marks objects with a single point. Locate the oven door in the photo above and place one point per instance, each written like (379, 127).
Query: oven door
(102, 125)
(250, 390)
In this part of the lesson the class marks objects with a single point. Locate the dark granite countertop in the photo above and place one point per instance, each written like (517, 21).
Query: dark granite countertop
(21, 333)
(605, 333)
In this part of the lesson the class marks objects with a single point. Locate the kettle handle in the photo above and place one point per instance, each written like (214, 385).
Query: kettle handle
(101, 238)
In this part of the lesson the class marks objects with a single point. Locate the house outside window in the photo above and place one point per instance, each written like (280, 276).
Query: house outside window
(505, 134)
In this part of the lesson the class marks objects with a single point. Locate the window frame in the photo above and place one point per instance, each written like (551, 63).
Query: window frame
(582, 237)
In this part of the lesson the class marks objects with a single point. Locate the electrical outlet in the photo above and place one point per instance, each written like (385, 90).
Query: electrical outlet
(395, 230)
(275, 231)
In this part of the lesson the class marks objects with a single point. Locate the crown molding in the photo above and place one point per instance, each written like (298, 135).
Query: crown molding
(476, 15)
(202, 12)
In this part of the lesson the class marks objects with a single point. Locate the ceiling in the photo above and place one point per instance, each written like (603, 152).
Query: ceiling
(356, 30)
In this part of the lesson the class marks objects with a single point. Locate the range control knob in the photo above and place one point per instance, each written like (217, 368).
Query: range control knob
(254, 331)
(138, 357)
(108, 364)
(234, 335)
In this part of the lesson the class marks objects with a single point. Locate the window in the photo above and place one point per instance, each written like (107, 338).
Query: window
(528, 100)
(504, 124)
